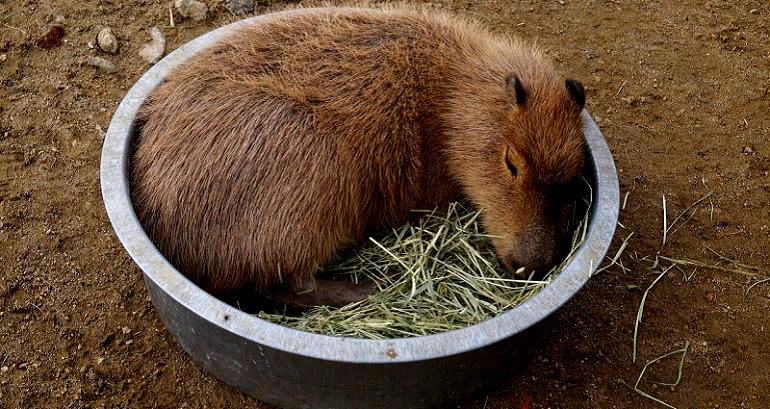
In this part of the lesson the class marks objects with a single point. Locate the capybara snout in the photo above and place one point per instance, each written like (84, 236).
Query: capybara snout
(541, 244)
(270, 152)
(537, 248)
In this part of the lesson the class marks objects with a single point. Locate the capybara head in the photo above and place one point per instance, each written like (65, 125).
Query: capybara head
(539, 159)
(524, 172)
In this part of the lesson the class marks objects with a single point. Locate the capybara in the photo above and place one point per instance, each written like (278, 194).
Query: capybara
(267, 154)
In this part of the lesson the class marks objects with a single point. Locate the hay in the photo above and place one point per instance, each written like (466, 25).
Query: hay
(438, 275)
(680, 370)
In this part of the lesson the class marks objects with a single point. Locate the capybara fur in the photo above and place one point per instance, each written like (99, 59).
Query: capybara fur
(264, 156)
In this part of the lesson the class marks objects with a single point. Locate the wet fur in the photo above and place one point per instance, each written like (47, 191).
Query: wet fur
(266, 155)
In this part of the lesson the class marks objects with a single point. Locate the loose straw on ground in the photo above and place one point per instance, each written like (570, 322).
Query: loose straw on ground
(665, 221)
(640, 312)
(680, 370)
(668, 227)
(696, 263)
(13, 28)
(616, 259)
(438, 275)
(694, 206)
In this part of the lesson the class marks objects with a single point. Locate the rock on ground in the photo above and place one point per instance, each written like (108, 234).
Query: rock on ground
(102, 64)
(106, 41)
(192, 9)
(153, 51)
(239, 7)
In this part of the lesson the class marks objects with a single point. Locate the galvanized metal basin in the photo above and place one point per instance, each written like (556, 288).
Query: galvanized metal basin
(296, 369)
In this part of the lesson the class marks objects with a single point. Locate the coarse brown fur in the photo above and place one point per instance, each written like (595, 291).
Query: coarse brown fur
(267, 154)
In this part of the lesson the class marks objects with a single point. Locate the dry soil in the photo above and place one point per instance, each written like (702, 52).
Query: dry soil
(681, 90)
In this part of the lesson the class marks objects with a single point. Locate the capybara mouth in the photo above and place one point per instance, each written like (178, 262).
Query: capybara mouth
(538, 266)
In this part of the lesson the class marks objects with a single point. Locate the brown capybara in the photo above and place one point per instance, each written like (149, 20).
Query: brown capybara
(265, 155)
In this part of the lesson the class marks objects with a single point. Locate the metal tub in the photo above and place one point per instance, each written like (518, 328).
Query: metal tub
(296, 369)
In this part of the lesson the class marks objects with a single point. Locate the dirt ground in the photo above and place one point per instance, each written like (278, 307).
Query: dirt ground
(681, 90)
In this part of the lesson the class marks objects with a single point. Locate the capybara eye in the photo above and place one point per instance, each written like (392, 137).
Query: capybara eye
(511, 167)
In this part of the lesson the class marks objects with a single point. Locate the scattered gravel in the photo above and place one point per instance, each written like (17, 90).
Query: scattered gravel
(153, 51)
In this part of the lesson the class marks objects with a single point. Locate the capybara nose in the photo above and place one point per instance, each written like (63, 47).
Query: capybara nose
(512, 266)
(538, 259)
(518, 268)
(541, 265)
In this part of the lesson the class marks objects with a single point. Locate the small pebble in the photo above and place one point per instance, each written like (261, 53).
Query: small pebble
(153, 51)
(754, 11)
(239, 7)
(106, 41)
(125, 330)
(100, 132)
(3, 57)
(192, 9)
(102, 64)
(4, 369)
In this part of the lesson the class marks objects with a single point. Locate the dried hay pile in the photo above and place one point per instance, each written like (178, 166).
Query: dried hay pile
(439, 275)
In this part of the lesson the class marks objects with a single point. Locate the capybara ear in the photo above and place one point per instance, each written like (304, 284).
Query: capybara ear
(577, 92)
(515, 90)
